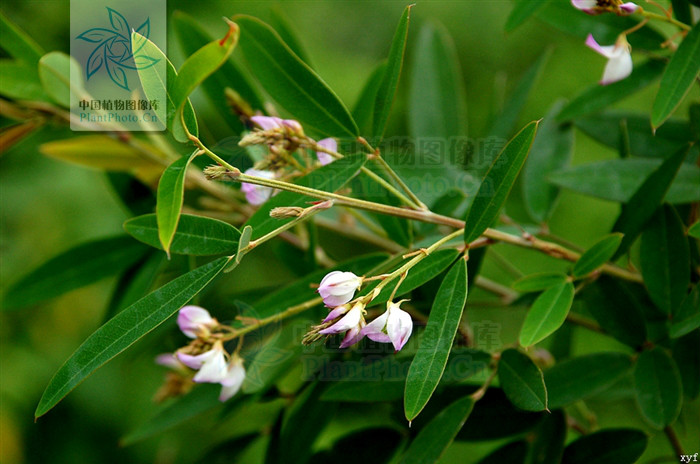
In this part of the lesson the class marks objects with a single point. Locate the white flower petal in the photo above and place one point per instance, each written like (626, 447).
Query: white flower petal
(618, 68)
(347, 322)
(213, 370)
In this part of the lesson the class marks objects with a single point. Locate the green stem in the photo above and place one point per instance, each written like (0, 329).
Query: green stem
(658, 17)
(396, 178)
(306, 214)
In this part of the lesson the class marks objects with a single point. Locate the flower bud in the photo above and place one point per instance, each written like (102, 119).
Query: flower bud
(194, 319)
(337, 288)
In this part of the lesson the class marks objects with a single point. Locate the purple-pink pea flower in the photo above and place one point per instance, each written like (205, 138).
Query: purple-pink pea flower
(257, 194)
(592, 7)
(337, 288)
(329, 144)
(619, 64)
(194, 319)
(232, 381)
(394, 326)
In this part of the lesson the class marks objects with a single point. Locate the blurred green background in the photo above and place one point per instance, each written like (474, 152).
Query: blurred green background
(47, 207)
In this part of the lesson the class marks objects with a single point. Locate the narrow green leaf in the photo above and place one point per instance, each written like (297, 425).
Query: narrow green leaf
(550, 437)
(195, 235)
(158, 80)
(75, 268)
(618, 180)
(243, 243)
(597, 97)
(499, 180)
(641, 207)
(55, 71)
(192, 37)
(686, 354)
(363, 111)
(539, 282)
(20, 81)
(658, 387)
(597, 255)
(694, 230)
(437, 98)
(664, 257)
(200, 65)
(97, 152)
(136, 197)
(522, 381)
(135, 283)
(276, 356)
(432, 441)
(202, 399)
(281, 25)
(18, 43)
(291, 82)
(678, 77)
(512, 452)
(390, 80)
(521, 12)
(551, 151)
(547, 313)
(124, 330)
(687, 317)
(430, 360)
(170, 196)
(584, 376)
(609, 446)
(328, 178)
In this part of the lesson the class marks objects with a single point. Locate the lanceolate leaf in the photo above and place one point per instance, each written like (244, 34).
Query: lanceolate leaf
(609, 446)
(195, 235)
(584, 376)
(390, 80)
(290, 82)
(280, 23)
(597, 255)
(18, 43)
(159, 80)
(75, 268)
(658, 387)
(499, 180)
(432, 441)
(55, 71)
(547, 313)
(124, 330)
(619, 179)
(363, 111)
(97, 151)
(429, 363)
(645, 200)
(171, 192)
(598, 97)
(135, 283)
(20, 81)
(199, 66)
(539, 282)
(665, 259)
(687, 317)
(522, 381)
(328, 178)
(678, 77)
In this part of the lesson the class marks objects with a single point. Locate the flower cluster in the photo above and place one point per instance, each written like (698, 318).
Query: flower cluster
(206, 353)
(346, 316)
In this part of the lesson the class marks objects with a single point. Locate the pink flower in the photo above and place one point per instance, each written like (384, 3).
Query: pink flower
(352, 323)
(257, 194)
(272, 122)
(211, 365)
(591, 7)
(619, 59)
(394, 326)
(194, 319)
(329, 144)
(337, 288)
(235, 375)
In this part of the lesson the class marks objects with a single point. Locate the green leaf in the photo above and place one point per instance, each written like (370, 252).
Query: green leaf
(512, 452)
(328, 178)
(597, 255)
(609, 446)
(597, 97)
(437, 98)
(548, 444)
(281, 25)
(75, 268)
(200, 65)
(390, 79)
(687, 317)
(664, 257)
(200, 400)
(521, 12)
(432, 441)
(641, 207)
(618, 180)
(551, 151)
(124, 330)
(617, 309)
(18, 43)
(694, 230)
(97, 152)
(522, 381)
(135, 283)
(55, 71)
(20, 81)
(160, 80)
(605, 128)
(547, 313)
(276, 356)
(291, 82)
(429, 363)
(364, 106)
(539, 282)
(192, 37)
(170, 196)
(678, 77)
(499, 180)
(686, 354)
(502, 126)
(195, 235)
(584, 376)
(658, 387)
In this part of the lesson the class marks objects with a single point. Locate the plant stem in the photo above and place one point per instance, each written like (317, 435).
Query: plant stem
(673, 440)
(289, 312)
(663, 18)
